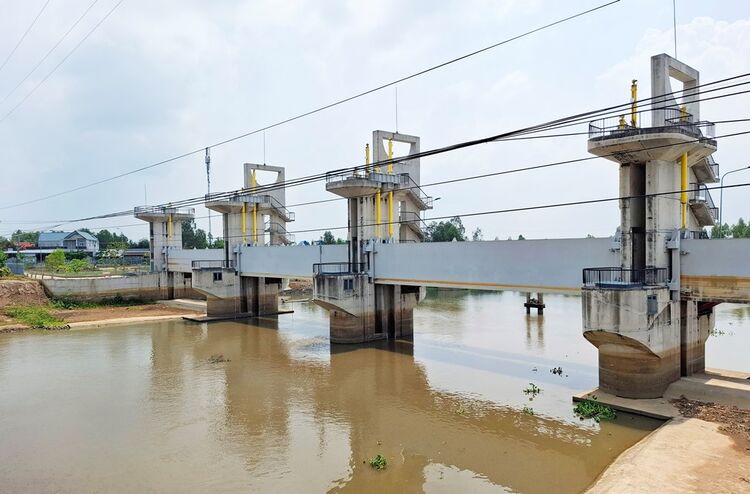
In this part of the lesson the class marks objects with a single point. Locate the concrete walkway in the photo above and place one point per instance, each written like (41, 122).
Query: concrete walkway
(684, 455)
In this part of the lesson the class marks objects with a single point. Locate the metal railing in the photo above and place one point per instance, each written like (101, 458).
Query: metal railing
(616, 277)
(162, 210)
(338, 268)
(699, 193)
(675, 120)
(212, 264)
(713, 165)
(407, 182)
(412, 219)
(278, 229)
(283, 211)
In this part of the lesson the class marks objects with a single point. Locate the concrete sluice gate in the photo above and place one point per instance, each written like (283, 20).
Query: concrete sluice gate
(647, 294)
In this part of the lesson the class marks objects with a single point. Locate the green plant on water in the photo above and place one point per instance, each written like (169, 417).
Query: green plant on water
(378, 462)
(592, 409)
(532, 390)
(528, 410)
(35, 317)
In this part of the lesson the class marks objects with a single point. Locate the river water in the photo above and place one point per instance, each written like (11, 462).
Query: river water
(270, 406)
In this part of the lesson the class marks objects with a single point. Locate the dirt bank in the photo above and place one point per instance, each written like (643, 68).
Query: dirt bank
(732, 420)
(21, 292)
(105, 313)
(298, 290)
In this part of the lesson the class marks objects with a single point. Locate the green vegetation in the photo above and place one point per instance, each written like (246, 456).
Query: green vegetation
(378, 462)
(532, 390)
(739, 230)
(116, 301)
(329, 239)
(528, 410)
(77, 265)
(592, 409)
(35, 317)
(446, 231)
(55, 260)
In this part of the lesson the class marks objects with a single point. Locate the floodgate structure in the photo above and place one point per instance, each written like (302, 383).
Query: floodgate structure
(648, 293)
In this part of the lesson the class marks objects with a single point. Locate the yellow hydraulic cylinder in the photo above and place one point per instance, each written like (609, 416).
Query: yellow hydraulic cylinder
(390, 155)
(634, 103)
(684, 194)
(390, 214)
(377, 213)
(244, 222)
(255, 211)
(367, 159)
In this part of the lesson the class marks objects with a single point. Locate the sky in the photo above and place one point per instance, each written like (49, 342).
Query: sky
(158, 79)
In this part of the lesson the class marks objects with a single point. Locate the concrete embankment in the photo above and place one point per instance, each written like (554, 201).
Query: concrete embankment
(703, 447)
(684, 455)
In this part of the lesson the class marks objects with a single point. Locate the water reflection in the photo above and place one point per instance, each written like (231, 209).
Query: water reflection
(537, 324)
(283, 412)
(270, 406)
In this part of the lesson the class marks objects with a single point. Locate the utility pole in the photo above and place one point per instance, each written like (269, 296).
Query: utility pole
(208, 181)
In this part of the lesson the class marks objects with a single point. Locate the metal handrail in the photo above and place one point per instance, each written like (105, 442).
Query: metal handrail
(617, 277)
(162, 210)
(411, 218)
(675, 120)
(338, 268)
(212, 264)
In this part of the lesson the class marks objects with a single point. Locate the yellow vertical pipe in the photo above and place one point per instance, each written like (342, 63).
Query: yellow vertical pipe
(684, 194)
(367, 159)
(169, 227)
(634, 103)
(244, 223)
(390, 193)
(255, 212)
(390, 155)
(377, 213)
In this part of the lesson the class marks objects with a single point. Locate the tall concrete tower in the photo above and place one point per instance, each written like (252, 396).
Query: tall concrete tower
(384, 204)
(647, 333)
(165, 231)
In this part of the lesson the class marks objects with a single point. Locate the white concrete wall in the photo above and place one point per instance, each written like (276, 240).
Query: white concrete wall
(530, 265)
(146, 286)
(181, 260)
(294, 261)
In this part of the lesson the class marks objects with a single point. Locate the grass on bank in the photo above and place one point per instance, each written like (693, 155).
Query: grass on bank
(35, 316)
(116, 301)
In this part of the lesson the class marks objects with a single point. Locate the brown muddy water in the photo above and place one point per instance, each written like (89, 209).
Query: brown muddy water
(145, 408)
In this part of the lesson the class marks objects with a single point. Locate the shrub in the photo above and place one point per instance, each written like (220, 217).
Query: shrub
(77, 265)
(378, 462)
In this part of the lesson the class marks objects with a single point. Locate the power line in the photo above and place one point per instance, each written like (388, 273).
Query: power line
(65, 58)
(537, 128)
(310, 112)
(321, 176)
(515, 210)
(62, 38)
(23, 36)
(460, 179)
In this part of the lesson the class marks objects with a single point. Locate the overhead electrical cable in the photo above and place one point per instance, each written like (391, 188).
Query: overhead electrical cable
(318, 109)
(454, 180)
(54, 47)
(23, 36)
(64, 59)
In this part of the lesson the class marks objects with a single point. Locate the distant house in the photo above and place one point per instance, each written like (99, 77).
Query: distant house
(52, 240)
(77, 240)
